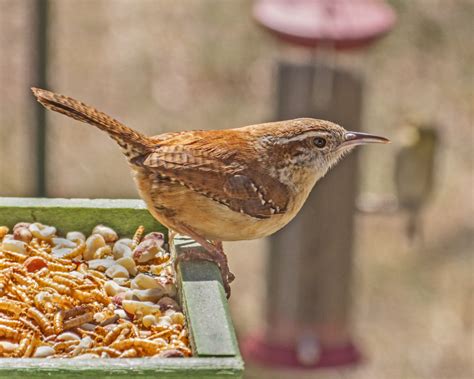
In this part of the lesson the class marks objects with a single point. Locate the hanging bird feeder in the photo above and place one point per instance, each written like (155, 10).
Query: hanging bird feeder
(342, 24)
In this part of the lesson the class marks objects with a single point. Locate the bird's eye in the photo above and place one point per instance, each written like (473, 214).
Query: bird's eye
(320, 142)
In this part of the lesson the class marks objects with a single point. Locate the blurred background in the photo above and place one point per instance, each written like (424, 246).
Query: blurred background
(168, 65)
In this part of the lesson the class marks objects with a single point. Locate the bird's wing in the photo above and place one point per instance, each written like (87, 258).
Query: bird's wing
(213, 168)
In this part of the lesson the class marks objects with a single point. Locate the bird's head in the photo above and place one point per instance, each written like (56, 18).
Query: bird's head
(310, 145)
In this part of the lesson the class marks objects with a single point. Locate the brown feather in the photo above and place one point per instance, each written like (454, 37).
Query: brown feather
(218, 168)
(131, 142)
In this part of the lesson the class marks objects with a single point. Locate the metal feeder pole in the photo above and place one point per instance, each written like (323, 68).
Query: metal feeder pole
(39, 14)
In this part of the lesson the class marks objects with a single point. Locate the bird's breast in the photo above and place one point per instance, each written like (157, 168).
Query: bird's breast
(174, 205)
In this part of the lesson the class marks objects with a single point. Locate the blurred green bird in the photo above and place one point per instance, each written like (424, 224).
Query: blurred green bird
(414, 173)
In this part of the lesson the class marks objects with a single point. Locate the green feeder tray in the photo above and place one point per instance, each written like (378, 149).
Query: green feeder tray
(215, 350)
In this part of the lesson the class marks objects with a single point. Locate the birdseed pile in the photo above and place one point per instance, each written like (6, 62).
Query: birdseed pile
(95, 297)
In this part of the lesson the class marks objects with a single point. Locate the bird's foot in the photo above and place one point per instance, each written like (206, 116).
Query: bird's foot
(214, 253)
(193, 254)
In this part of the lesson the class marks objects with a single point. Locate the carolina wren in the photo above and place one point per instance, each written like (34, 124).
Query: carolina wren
(223, 185)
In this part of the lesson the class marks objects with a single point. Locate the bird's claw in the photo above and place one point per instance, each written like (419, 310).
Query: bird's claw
(219, 259)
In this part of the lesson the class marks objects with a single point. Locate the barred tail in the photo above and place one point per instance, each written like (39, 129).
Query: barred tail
(131, 142)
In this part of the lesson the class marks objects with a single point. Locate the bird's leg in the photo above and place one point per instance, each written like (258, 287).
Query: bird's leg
(171, 234)
(214, 253)
(218, 244)
(223, 260)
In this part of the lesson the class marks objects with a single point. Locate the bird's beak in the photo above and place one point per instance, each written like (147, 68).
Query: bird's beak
(356, 138)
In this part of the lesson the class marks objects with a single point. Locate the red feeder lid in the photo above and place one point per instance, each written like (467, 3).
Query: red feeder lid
(341, 24)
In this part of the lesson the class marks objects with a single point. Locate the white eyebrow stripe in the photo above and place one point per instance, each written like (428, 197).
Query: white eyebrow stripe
(302, 136)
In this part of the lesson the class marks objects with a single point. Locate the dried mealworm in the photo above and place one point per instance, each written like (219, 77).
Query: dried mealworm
(42, 273)
(161, 334)
(64, 345)
(46, 282)
(130, 353)
(43, 254)
(150, 347)
(11, 306)
(100, 296)
(137, 237)
(58, 322)
(79, 310)
(24, 280)
(45, 245)
(5, 276)
(96, 276)
(6, 263)
(97, 337)
(20, 295)
(21, 349)
(11, 323)
(112, 335)
(98, 282)
(43, 301)
(134, 330)
(104, 349)
(16, 257)
(86, 287)
(124, 334)
(76, 251)
(41, 320)
(184, 349)
(27, 324)
(53, 266)
(83, 296)
(69, 276)
(36, 251)
(78, 320)
(100, 330)
(31, 347)
(7, 332)
(64, 281)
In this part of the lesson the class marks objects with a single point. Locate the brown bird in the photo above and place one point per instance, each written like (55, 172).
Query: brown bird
(223, 185)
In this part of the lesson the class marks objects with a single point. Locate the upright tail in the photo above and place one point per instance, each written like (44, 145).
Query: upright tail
(131, 142)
